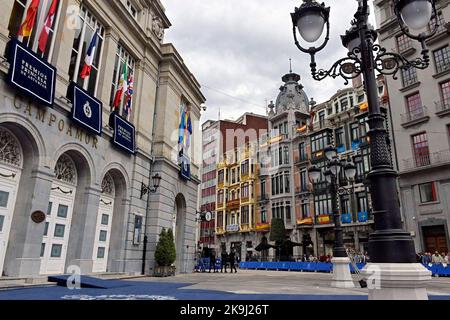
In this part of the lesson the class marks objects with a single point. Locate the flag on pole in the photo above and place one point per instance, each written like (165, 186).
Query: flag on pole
(121, 89)
(90, 54)
(27, 27)
(47, 26)
(129, 96)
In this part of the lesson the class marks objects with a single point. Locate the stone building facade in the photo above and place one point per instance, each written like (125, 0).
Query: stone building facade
(71, 197)
(421, 120)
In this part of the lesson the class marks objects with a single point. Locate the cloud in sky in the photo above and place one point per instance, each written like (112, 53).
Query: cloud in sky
(239, 50)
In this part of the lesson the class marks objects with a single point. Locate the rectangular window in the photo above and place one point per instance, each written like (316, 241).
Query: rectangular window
(320, 141)
(428, 192)
(442, 59)
(302, 151)
(263, 188)
(403, 43)
(340, 139)
(362, 202)
(18, 16)
(263, 215)
(288, 211)
(245, 168)
(221, 177)
(345, 205)
(123, 60)
(62, 211)
(56, 251)
(409, 76)
(440, 21)
(344, 104)
(2, 220)
(132, 10)
(245, 215)
(59, 230)
(42, 249)
(305, 210)
(322, 119)
(105, 219)
(88, 25)
(303, 181)
(414, 106)
(4, 196)
(445, 94)
(49, 208)
(354, 132)
(103, 235)
(421, 150)
(220, 219)
(101, 253)
(46, 229)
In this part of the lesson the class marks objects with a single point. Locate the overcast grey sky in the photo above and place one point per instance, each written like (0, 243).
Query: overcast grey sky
(239, 49)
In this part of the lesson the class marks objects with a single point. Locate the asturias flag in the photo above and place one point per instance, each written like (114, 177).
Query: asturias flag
(27, 27)
(47, 26)
(90, 54)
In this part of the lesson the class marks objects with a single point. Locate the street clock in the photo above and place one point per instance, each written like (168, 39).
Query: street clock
(208, 216)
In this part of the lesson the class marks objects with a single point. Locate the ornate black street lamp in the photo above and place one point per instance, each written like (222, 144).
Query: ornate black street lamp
(389, 243)
(331, 172)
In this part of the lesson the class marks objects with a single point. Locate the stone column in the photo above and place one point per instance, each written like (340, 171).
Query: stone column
(82, 234)
(24, 246)
(5, 14)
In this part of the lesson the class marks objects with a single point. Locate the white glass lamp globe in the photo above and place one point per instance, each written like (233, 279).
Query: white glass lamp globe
(417, 14)
(310, 26)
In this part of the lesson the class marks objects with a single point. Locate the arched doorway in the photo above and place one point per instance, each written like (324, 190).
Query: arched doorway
(11, 162)
(103, 226)
(179, 232)
(59, 217)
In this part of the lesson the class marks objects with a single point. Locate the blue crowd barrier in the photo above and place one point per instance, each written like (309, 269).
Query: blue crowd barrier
(436, 269)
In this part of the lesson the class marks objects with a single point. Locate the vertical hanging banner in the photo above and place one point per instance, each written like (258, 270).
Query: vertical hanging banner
(184, 140)
(86, 110)
(124, 135)
(30, 74)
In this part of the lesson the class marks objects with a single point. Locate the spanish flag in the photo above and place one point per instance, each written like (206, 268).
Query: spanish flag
(27, 27)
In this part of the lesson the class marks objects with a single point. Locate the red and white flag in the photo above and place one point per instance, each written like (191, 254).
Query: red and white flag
(43, 39)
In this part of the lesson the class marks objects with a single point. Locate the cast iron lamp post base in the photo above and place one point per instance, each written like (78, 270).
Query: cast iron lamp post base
(342, 278)
(397, 281)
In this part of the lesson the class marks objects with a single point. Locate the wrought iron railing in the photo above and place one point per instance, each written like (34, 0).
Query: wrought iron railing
(425, 160)
(414, 115)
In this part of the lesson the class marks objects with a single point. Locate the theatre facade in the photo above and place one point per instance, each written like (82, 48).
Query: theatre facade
(76, 149)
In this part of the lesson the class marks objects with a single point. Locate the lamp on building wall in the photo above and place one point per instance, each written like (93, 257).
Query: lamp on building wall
(156, 180)
(391, 249)
(342, 277)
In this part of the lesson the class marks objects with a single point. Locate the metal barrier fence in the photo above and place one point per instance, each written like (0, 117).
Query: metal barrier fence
(437, 269)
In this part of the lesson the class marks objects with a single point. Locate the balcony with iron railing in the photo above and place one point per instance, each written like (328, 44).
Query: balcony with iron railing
(410, 119)
(235, 203)
(321, 124)
(426, 161)
(442, 107)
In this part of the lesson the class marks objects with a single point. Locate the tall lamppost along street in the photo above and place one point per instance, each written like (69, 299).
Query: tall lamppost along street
(392, 268)
(342, 277)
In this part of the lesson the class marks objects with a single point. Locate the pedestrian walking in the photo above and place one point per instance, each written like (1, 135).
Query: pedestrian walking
(232, 260)
(212, 262)
(224, 261)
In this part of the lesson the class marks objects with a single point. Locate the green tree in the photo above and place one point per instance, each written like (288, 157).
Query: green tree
(165, 253)
(278, 234)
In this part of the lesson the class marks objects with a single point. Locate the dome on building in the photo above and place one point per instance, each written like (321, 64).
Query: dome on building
(292, 95)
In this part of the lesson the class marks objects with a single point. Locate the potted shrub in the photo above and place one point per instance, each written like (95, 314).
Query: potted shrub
(165, 254)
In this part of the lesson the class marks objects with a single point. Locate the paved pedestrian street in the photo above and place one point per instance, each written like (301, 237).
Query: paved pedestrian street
(245, 285)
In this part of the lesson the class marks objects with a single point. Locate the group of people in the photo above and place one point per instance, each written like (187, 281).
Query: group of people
(437, 258)
(226, 260)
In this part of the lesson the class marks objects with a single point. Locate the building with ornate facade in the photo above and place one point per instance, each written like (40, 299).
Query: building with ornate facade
(422, 127)
(71, 170)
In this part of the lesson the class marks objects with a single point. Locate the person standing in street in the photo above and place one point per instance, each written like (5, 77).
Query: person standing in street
(212, 261)
(224, 261)
(232, 260)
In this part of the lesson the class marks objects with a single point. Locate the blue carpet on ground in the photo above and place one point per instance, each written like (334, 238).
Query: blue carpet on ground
(89, 282)
(156, 291)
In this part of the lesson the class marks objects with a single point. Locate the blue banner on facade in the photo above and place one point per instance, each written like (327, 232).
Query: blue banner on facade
(363, 216)
(124, 135)
(185, 171)
(347, 218)
(31, 75)
(86, 110)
